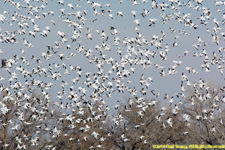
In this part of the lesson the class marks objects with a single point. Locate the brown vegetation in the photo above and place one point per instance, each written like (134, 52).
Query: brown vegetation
(31, 121)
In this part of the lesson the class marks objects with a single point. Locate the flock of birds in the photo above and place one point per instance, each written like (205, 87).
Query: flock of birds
(83, 51)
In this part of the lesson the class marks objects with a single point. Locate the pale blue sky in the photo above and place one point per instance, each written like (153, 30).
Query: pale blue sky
(125, 26)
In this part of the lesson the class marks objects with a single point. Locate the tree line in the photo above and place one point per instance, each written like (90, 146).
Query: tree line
(34, 121)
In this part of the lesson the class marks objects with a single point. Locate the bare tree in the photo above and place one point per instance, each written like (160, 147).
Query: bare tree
(141, 123)
(205, 107)
(85, 128)
(135, 126)
(22, 118)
